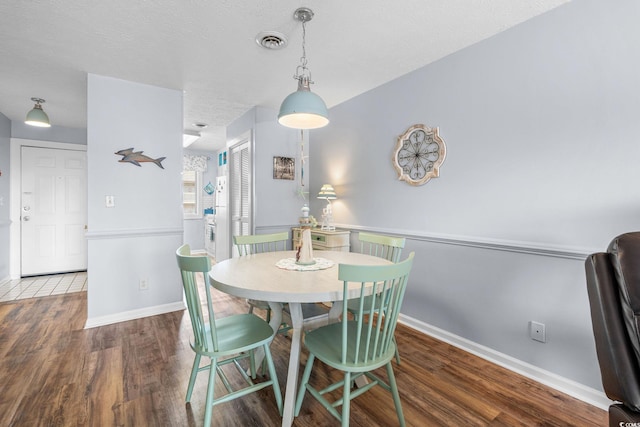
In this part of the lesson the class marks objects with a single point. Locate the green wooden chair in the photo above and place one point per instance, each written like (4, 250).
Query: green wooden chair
(313, 314)
(255, 244)
(357, 347)
(224, 341)
(387, 247)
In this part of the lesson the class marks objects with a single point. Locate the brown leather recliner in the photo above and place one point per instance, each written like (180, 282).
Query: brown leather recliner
(613, 283)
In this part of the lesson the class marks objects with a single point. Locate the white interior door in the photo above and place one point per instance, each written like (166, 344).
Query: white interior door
(240, 194)
(53, 211)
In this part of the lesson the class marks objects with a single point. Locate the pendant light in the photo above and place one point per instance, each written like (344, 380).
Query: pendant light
(303, 109)
(37, 116)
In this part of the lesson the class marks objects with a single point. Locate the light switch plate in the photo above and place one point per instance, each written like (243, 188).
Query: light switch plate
(110, 201)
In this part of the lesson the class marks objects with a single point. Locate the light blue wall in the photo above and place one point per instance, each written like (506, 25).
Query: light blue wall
(541, 125)
(136, 240)
(5, 136)
(277, 204)
(53, 133)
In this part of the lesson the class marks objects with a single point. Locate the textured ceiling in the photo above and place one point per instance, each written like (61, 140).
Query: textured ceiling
(207, 48)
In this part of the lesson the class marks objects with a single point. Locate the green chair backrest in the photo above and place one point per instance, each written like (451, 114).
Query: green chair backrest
(387, 247)
(373, 334)
(190, 267)
(257, 243)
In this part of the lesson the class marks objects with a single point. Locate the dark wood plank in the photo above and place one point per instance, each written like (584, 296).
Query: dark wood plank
(55, 373)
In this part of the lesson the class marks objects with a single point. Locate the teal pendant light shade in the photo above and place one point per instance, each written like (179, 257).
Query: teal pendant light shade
(37, 117)
(303, 109)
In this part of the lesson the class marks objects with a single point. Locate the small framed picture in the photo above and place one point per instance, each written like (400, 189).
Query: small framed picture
(284, 168)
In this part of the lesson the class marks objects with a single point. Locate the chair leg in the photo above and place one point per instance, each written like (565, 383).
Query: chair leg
(274, 377)
(395, 394)
(397, 353)
(346, 400)
(192, 378)
(302, 388)
(210, 389)
(252, 364)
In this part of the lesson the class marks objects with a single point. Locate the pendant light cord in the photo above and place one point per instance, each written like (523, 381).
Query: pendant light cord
(301, 70)
(303, 60)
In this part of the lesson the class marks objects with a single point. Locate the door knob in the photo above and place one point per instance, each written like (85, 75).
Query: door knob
(26, 208)
(26, 218)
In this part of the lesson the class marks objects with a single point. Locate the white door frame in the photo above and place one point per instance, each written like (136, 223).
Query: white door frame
(246, 137)
(15, 177)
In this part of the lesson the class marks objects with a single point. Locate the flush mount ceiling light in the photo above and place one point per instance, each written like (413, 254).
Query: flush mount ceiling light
(272, 40)
(37, 117)
(303, 109)
(189, 137)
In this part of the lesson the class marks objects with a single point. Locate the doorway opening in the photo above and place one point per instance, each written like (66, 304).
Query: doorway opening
(48, 208)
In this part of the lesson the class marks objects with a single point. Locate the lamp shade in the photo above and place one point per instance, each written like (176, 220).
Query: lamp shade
(327, 192)
(303, 109)
(37, 117)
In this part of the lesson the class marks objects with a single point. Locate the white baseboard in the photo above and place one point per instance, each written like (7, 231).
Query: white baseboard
(134, 314)
(579, 391)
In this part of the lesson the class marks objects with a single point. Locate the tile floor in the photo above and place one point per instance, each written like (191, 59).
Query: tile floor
(41, 286)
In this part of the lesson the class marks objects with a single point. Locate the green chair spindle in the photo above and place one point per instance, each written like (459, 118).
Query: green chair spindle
(387, 247)
(358, 347)
(226, 340)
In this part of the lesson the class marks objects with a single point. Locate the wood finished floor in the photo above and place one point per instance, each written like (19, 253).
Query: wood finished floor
(55, 373)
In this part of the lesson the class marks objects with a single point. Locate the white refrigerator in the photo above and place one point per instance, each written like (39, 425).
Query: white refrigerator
(222, 219)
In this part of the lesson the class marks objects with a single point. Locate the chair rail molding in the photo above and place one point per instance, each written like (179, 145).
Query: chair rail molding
(555, 251)
(133, 233)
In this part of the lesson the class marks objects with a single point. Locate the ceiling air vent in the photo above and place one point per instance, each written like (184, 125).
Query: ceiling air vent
(272, 40)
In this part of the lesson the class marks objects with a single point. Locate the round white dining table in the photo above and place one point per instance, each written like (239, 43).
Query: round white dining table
(258, 277)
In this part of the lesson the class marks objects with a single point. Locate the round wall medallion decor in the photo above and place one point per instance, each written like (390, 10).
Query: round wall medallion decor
(418, 154)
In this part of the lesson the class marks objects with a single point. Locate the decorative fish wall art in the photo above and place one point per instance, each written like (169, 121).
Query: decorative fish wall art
(136, 157)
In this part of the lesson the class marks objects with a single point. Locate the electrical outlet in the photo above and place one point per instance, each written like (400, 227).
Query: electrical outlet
(537, 331)
(109, 201)
(144, 284)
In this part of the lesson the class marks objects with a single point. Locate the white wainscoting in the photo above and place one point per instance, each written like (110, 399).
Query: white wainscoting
(119, 259)
(510, 280)
(572, 388)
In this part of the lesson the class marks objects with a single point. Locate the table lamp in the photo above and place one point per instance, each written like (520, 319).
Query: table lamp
(328, 193)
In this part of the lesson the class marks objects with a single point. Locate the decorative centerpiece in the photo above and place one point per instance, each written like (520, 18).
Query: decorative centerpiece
(304, 252)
